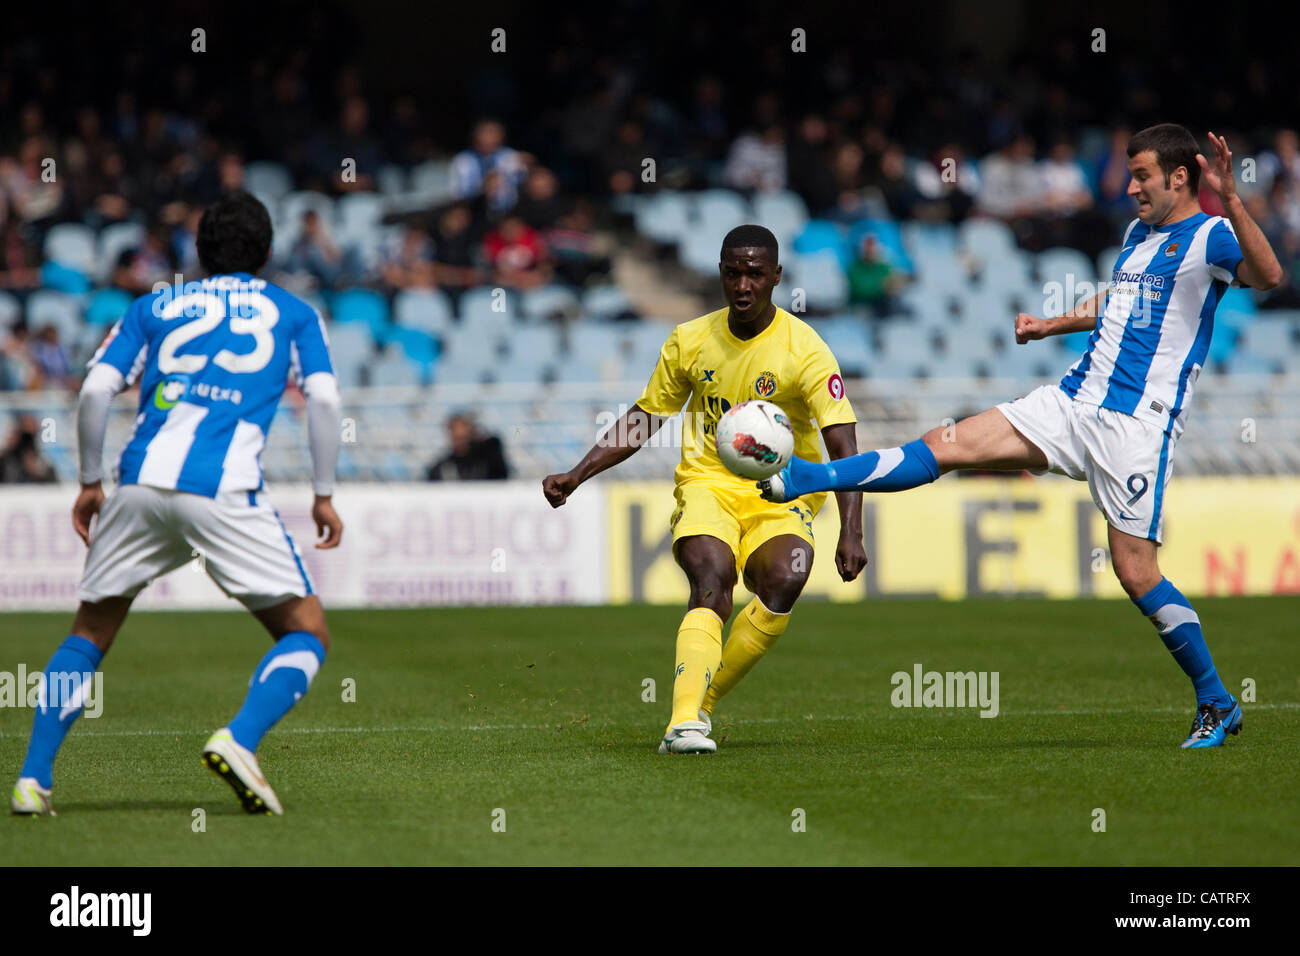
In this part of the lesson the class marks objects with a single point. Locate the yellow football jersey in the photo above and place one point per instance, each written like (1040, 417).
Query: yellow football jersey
(787, 364)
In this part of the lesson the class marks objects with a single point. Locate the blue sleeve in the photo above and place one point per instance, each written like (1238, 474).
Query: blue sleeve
(1222, 253)
(127, 342)
(311, 346)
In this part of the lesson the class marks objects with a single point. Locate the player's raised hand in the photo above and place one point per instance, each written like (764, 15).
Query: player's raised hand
(1218, 174)
(89, 500)
(1029, 327)
(329, 526)
(557, 488)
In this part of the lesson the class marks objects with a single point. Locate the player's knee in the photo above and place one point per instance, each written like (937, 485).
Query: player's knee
(712, 588)
(1136, 576)
(779, 588)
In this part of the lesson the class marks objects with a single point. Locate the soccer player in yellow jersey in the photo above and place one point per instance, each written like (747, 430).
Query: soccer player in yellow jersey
(722, 531)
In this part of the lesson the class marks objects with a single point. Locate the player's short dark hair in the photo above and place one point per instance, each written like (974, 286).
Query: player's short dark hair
(1174, 146)
(751, 237)
(234, 235)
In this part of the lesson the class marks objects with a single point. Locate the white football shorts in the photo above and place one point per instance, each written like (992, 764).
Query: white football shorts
(1126, 462)
(145, 532)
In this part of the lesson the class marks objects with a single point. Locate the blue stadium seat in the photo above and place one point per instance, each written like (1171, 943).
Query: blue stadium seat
(115, 239)
(821, 235)
(538, 344)
(983, 238)
(425, 309)
(849, 340)
(700, 251)
(889, 237)
(394, 368)
(592, 343)
(360, 212)
(351, 348)
(72, 245)
(477, 312)
(107, 306)
(1068, 270)
(1272, 335)
(58, 309)
(364, 306)
(418, 346)
(904, 348)
(61, 278)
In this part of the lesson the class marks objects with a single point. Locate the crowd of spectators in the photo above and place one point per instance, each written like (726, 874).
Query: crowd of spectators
(531, 193)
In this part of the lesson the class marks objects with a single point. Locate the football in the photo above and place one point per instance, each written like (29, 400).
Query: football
(755, 439)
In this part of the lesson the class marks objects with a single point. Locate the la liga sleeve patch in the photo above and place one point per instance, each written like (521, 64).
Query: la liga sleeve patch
(835, 385)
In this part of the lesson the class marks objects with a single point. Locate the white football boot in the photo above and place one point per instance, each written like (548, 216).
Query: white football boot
(707, 721)
(31, 799)
(238, 767)
(688, 737)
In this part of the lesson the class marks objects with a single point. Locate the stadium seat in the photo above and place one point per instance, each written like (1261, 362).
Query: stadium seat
(391, 180)
(115, 239)
(537, 344)
(700, 250)
(270, 182)
(360, 213)
(823, 280)
(784, 212)
(592, 343)
(107, 306)
(1068, 270)
(717, 212)
(984, 238)
(58, 309)
(394, 368)
(665, 217)
(364, 306)
(889, 237)
(425, 309)
(418, 346)
(544, 302)
(607, 302)
(921, 239)
(351, 348)
(904, 347)
(292, 208)
(1272, 335)
(61, 278)
(849, 340)
(478, 313)
(431, 181)
(821, 235)
(72, 245)
(10, 309)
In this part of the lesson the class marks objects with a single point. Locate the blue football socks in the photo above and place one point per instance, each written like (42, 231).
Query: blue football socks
(67, 685)
(279, 682)
(1180, 629)
(889, 469)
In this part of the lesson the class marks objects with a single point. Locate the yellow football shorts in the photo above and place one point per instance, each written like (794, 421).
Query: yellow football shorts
(734, 513)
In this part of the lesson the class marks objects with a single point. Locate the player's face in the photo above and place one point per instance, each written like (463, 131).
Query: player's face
(748, 278)
(1147, 186)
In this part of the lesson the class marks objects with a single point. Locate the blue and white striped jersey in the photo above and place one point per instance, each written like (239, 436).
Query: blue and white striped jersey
(212, 362)
(1148, 348)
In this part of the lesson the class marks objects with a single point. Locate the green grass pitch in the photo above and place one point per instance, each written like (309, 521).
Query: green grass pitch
(539, 713)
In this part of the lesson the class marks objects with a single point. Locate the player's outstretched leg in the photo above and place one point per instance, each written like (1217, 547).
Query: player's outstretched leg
(65, 689)
(776, 572)
(1217, 711)
(887, 469)
(282, 679)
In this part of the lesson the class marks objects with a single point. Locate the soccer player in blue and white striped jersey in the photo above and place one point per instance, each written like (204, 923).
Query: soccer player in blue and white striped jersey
(212, 358)
(1115, 418)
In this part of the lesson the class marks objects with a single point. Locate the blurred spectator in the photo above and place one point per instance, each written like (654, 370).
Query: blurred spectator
(53, 366)
(1012, 187)
(454, 247)
(541, 204)
(19, 260)
(18, 370)
(350, 142)
(1113, 177)
(808, 164)
(474, 455)
(757, 160)
(35, 191)
(518, 255)
(139, 269)
(873, 280)
(20, 458)
(317, 260)
(1282, 160)
(621, 162)
(1065, 187)
(408, 262)
(896, 184)
(947, 185)
(488, 154)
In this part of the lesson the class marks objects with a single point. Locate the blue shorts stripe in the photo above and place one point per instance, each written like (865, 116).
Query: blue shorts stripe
(1160, 488)
(294, 551)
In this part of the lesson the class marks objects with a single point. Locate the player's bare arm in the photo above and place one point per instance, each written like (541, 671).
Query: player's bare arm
(1259, 267)
(1082, 318)
(850, 555)
(633, 429)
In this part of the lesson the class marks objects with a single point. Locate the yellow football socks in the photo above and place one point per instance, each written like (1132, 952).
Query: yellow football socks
(752, 635)
(699, 652)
